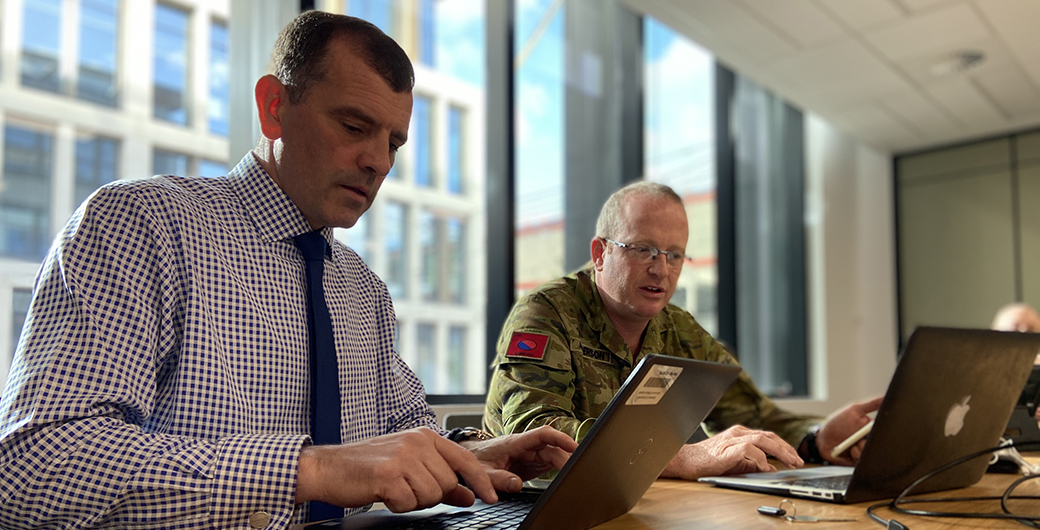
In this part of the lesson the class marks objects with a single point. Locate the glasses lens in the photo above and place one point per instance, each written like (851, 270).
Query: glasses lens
(642, 253)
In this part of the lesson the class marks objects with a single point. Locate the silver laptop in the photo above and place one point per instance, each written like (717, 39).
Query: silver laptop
(659, 406)
(951, 395)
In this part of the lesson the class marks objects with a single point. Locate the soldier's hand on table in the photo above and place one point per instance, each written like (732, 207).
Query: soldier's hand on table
(509, 460)
(407, 470)
(841, 425)
(733, 451)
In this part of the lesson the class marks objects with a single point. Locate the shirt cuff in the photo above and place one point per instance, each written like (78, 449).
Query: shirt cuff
(254, 482)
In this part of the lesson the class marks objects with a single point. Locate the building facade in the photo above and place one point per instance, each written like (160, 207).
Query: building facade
(92, 91)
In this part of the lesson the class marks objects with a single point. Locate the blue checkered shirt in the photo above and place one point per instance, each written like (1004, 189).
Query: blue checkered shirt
(161, 380)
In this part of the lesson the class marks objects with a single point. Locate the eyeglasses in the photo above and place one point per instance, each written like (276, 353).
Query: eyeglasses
(647, 254)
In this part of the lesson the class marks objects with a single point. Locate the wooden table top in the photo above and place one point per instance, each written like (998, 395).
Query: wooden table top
(675, 504)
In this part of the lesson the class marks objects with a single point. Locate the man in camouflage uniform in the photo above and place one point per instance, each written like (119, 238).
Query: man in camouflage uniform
(566, 348)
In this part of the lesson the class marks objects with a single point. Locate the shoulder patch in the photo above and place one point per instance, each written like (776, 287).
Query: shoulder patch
(527, 345)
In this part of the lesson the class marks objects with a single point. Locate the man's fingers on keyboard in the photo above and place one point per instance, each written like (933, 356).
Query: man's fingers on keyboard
(503, 480)
(469, 468)
(460, 496)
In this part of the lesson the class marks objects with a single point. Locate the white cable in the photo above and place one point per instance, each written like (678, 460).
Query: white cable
(1011, 454)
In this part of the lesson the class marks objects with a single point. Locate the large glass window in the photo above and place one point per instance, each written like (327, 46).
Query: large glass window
(218, 79)
(427, 33)
(398, 329)
(539, 85)
(71, 53)
(25, 199)
(456, 372)
(679, 146)
(97, 160)
(762, 301)
(20, 300)
(378, 12)
(171, 64)
(456, 117)
(359, 238)
(419, 139)
(98, 35)
(212, 168)
(170, 163)
(432, 207)
(443, 248)
(425, 362)
(41, 45)
(395, 225)
(455, 261)
(429, 236)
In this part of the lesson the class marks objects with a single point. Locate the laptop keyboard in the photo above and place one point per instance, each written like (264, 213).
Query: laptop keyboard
(838, 483)
(502, 515)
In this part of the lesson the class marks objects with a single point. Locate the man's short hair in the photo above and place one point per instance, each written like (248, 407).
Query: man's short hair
(609, 223)
(300, 51)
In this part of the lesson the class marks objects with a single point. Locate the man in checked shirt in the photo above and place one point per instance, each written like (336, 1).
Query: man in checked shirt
(161, 380)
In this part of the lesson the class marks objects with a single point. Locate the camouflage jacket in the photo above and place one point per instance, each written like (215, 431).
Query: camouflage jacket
(583, 361)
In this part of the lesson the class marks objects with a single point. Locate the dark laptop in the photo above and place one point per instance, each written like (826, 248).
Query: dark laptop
(659, 406)
(951, 395)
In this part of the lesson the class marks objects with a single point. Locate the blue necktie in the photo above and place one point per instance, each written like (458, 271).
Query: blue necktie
(324, 372)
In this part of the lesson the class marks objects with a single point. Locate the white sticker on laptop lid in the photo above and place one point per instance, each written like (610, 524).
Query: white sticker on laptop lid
(654, 386)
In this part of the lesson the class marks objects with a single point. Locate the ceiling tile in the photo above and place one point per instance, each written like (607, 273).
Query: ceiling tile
(1032, 68)
(739, 30)
(799, 20)
(883, 71)
(920, 112)
(876, 125)
(860, 14)
(1011, 91)
(843, 71)
(919, 5)
(966, 103)
(1016, 22)
(947, 30)
(1016, 25)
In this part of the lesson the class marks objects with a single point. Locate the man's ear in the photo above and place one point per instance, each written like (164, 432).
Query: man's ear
(270, 95)
(598, 248)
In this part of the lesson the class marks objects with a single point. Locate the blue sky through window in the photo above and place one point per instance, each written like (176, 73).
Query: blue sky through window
(679, 110)
(539, 135)
(44, 17)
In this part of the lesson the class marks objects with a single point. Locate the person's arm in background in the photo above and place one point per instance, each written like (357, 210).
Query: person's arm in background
(81, 399)
(744, 404)
(814, 437)
(529, 392)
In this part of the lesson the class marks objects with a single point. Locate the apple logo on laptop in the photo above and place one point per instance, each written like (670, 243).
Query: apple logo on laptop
(955, 418)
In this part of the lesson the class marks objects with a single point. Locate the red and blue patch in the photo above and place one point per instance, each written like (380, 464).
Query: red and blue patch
(527, 345)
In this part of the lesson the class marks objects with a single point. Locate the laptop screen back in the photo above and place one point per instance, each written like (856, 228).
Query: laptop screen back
(951, 395)
(648, 421)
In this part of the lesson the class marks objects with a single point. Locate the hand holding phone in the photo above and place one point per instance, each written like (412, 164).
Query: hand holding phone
(851, 440)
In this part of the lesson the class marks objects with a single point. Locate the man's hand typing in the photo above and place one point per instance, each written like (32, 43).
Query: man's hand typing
(510, 460)
(418, 468)
(733, 451)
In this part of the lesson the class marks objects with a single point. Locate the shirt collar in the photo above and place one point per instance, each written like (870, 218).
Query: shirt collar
(596, 315)
(273, 214)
